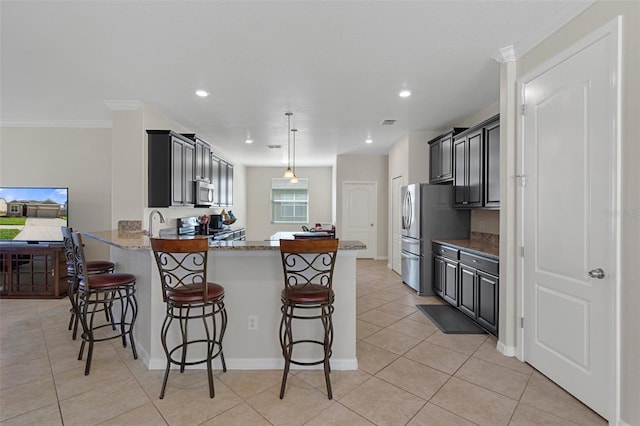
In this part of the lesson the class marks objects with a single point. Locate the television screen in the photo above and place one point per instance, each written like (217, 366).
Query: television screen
(33, 214)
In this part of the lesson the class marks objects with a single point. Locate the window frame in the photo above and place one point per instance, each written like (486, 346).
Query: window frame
(280, 186)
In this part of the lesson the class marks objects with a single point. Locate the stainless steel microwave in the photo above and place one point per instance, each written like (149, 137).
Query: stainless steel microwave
(203, 193)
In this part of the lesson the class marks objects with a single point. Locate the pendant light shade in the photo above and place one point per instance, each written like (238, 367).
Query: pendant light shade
(288, 174)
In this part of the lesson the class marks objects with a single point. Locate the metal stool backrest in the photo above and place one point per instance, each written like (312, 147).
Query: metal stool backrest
(182, 265)
(306, 262)
(68, 248)
(79, 261)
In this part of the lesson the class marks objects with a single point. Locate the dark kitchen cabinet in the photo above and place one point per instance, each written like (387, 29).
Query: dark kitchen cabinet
(467, 277)
(445, 280)
(222, 179)
(476, 166)
(202, 166)
(450, 285)
(487, 309)
(492, 164)
(441, 157)
(171, 168)
(478, 296)
(468, 170)
(469, 282)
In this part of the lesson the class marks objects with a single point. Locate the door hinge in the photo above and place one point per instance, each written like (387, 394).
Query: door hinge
(521, 322)
(523, 109)
(522, 251)
(523, 179)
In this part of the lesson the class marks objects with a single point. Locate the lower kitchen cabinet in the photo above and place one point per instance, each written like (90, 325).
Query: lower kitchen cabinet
(468, 287)
(445, 269)
(469, 282)
(487, 312)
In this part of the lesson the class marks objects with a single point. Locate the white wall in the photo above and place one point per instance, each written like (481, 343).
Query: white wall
(592, 18)
(258, 184)
(366, 168)
(78, 158)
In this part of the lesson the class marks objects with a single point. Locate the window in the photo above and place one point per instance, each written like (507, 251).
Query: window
(289, 201)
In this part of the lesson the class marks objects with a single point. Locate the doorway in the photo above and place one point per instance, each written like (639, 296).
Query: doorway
(569, 196)
(359, 215)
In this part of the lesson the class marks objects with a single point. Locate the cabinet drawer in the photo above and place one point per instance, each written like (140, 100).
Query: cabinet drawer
(480, 262)
(444, 251)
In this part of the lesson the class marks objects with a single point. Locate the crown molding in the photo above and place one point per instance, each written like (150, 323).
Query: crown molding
(90, 124)
(505, 54)
(115, 105)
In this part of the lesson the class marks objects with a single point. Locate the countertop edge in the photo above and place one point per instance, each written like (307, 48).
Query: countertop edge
(139, 241)
(476, 247)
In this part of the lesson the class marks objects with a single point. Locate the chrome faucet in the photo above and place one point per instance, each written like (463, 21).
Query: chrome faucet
(151, 220)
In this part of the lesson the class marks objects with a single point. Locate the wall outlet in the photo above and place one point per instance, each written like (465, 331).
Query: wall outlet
(253, 322)
(482, 224)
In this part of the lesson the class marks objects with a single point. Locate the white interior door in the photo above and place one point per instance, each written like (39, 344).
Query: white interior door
(396, 224)
(570, 167)
(359, 215)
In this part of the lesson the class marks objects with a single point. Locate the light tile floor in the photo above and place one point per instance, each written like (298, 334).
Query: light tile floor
(409, 374)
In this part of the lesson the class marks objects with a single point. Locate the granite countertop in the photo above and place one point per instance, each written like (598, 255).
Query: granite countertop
(483, 247)
(137, 240)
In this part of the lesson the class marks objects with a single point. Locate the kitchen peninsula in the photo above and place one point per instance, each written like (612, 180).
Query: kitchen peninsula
(251, 273)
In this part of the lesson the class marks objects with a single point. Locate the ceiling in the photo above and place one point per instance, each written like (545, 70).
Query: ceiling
(337, 65)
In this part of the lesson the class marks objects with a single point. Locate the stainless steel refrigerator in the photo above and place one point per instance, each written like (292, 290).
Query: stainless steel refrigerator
(427, 214)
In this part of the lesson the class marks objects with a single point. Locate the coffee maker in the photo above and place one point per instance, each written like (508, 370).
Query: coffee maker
(216, 221)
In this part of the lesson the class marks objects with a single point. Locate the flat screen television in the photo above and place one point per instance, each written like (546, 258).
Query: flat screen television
(33, 215)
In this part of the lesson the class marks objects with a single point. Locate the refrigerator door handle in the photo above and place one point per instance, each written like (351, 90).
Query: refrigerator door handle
(407, 211)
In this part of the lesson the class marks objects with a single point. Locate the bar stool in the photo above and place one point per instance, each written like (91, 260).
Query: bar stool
(182, 264)
(93, 267)
(98, 293)
(308, 275)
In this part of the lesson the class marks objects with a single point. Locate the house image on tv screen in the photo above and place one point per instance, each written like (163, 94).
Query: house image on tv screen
(29, 208)
(32, 214)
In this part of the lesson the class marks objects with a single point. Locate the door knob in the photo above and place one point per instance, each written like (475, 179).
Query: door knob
(596, 273)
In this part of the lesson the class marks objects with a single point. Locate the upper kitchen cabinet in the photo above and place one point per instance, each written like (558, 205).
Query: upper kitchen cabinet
(202, 168)
(476, 166)
(441, 157)
(492, 164)
(171, 169)
(222, 179)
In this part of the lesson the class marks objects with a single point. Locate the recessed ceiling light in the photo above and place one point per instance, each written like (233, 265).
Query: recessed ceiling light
(248, 141)
(202, 93)
(369, 140)
(404, 93)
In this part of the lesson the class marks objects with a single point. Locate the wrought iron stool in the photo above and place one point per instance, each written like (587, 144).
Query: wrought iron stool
(308, 275)
(97, 293)
(93, 267)
(182, 264)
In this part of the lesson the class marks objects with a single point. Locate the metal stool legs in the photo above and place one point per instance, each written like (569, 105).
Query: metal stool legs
(287, 341)
(214, 334)
(125, 323)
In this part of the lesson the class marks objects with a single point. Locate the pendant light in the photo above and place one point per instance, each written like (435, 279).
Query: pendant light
(288, 173)
(294, 178)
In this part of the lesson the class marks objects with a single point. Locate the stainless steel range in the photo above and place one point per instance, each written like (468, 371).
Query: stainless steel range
(427, 214)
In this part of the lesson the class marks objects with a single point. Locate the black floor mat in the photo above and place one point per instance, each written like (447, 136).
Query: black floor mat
(450, 320)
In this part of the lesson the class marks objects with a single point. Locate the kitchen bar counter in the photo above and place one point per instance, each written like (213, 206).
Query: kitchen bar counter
(251, 273)
(138, 240)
